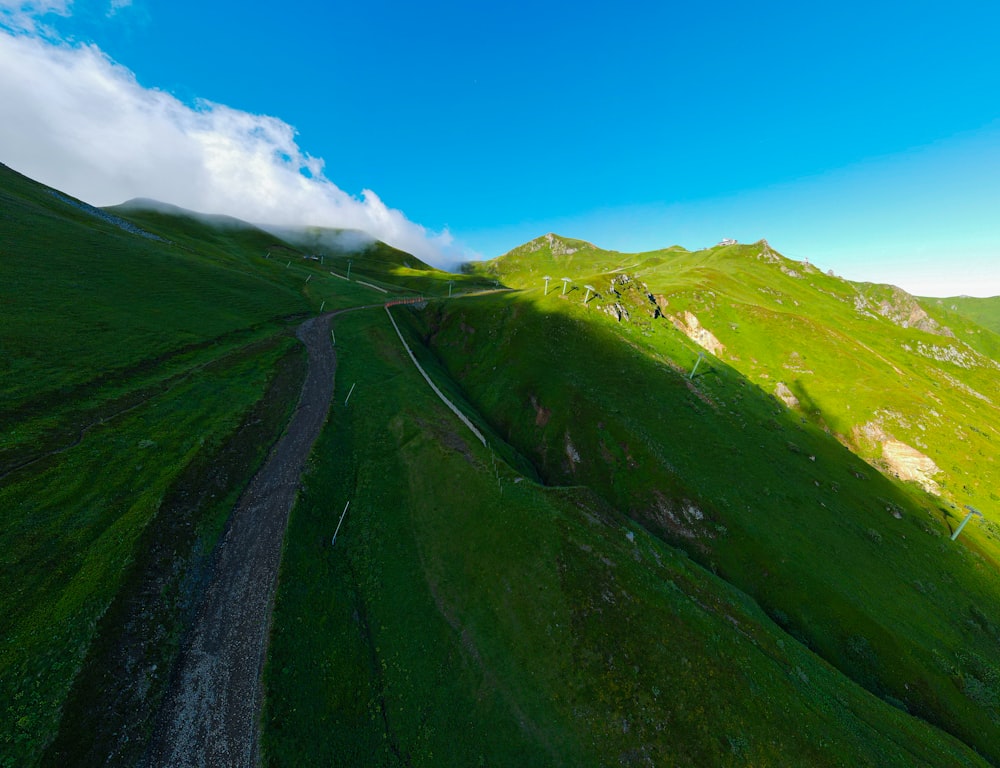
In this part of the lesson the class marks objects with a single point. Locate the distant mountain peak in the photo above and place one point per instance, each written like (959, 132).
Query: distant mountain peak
(557, 245)
(766, 252)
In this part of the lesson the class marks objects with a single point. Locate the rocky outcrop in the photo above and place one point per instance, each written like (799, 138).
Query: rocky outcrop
(572, 454)
(681, 517)
(902, 460)
(691, 327)
(900, 308)
(785, 395)
(617, 310)
(963, 358)
(907, 463)
(625, 291)
(766, 253)
(559, 246)
(542, 414)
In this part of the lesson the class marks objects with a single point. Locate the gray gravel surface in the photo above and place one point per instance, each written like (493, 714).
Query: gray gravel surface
(211, 710)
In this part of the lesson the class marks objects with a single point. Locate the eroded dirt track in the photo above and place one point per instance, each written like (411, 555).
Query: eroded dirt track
(210, 713)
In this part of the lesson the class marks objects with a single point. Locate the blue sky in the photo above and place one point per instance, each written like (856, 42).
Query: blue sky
(863, 136)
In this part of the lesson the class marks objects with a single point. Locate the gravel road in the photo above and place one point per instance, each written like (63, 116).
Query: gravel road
(210, 712)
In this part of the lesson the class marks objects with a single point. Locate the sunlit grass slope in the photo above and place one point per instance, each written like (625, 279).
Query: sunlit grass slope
(984, 312)
(912, 387)
(858, 566)
(468, 616)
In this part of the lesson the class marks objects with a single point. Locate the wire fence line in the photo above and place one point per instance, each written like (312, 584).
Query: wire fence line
(370, 285)
(438, 392)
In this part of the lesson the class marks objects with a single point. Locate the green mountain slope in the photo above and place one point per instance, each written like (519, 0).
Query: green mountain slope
(983, 312)
(147, 362)
(467, 615)
(857, 566)
(382, 265)
(642, 566)
(866, 363)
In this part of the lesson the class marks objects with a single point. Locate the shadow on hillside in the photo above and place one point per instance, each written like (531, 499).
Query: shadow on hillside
(723, 470)
(812, 411)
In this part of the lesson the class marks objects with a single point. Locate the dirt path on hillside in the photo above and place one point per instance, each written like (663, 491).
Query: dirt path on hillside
(209, 716)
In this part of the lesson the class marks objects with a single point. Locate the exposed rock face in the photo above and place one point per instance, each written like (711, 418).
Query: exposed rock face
(963, 358)
(556, 244)
(903, 310)
(766, 252)
(904, 461)
(784, 394)
(558, 247)
(624, 282)
(625, 290)
(617, 311)
(910, 464)
(682, 518)
(571, 452)
(692, 328)
(542, 414)
(871, 430)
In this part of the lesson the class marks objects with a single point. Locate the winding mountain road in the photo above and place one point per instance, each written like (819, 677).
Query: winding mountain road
(210, 713)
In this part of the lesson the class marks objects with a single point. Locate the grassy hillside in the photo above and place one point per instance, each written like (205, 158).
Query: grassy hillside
(866, 363)
(983, 312)
(380, 264)
(745, 564)
(125, 359)
(858, 566)
(147, 362)
(467, 615)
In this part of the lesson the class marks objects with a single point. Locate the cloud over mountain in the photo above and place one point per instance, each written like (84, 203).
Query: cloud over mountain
(78, 121)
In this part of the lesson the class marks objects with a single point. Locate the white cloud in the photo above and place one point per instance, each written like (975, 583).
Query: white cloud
(73, 119)
(24, 14)
(37, 7)
(117, 5)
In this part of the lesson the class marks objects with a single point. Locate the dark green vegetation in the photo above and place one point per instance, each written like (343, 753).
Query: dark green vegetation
(469, 616)
(789, 533)
(159, 596)
(764, 493)
(134, 381)
(748, 566)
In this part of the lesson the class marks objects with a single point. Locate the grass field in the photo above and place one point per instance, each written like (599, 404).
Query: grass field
(108, 716)
(125, 360)
(467, 616)
(869, 364)
(983, 312)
